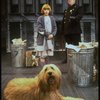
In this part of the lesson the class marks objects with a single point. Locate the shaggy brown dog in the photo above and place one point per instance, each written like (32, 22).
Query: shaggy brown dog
(43, 87)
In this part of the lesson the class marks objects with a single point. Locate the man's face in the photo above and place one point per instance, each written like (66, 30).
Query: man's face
(70, 2)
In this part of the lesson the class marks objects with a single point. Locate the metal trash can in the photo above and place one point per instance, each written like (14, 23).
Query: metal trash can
(81, 66)
(18, 55)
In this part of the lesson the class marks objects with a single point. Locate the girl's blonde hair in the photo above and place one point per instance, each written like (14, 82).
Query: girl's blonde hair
(45, 6)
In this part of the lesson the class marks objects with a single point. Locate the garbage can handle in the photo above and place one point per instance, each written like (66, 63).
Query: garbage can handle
(15, 53)
(70, 55)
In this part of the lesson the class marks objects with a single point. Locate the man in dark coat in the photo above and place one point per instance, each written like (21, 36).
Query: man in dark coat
(71, 28)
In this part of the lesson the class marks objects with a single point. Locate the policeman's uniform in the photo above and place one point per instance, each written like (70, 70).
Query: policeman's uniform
(71, 24)
(71, 29)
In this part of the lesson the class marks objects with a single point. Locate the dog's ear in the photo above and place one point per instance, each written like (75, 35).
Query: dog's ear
(43, 86)
(40, 75)
(58, 83)
(56, 68)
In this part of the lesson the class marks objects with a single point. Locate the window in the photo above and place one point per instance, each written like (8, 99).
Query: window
(15, 2)
(87, 31)
(28, 33)
(58, 6)
(42, 1)
(88, 6)
(29, 2)
(86, 1)
(58, 1)
(29, 6)
(14, 6)
(14, 30)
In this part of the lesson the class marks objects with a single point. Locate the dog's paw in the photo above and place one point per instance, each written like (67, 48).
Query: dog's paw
(72, 98)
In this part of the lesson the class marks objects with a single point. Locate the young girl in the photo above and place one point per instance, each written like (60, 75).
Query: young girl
(46, 28)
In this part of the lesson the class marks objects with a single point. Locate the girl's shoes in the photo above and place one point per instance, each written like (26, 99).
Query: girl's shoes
(43, 61)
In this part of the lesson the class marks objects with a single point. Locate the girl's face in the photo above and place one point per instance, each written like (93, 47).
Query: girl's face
(46, 11)
(70, 2)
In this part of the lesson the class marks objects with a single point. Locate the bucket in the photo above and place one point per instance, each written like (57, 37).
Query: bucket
(81, 66)
(18, 55)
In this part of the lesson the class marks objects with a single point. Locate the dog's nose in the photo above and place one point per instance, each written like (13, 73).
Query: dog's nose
(49, 73)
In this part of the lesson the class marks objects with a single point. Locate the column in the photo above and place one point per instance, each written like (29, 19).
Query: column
(93, 31)
(35, 34)
(21, 36)
(8, 38)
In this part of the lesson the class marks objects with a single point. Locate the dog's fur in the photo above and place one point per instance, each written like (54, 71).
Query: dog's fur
(43, 87)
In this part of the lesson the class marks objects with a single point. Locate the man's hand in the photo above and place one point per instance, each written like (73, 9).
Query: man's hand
(72, 17)
(50, 36)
